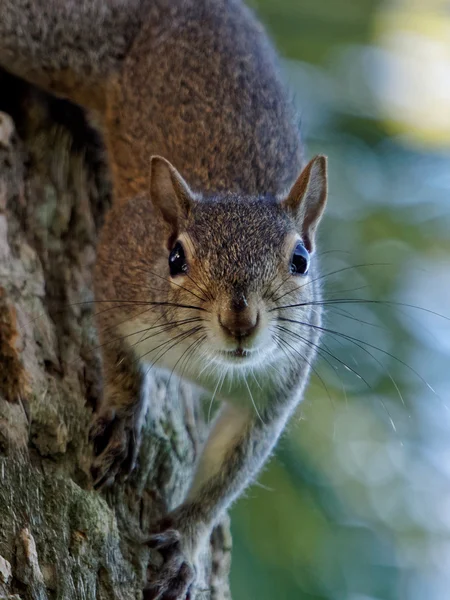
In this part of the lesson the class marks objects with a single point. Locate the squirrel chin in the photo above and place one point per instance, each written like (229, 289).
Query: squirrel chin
(242, 357)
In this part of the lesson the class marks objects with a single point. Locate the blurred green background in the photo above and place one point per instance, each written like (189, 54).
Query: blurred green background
(356, 503)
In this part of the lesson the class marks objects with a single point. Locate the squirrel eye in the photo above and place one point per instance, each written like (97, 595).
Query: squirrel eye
(177, 260)
(300, 260)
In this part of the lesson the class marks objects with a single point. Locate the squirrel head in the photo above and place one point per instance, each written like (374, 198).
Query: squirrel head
(239, 260)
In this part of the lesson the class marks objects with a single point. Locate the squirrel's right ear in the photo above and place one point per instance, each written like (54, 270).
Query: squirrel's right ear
(307, 199)
(169, 192)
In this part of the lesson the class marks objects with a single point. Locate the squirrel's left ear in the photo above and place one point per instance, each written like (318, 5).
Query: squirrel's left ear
(307, 199)
(169, 192)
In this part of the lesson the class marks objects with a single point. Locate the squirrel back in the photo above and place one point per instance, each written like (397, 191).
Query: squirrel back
(195, 81)
(207, 96)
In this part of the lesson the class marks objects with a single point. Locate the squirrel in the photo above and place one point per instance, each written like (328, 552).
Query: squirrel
(205, 264)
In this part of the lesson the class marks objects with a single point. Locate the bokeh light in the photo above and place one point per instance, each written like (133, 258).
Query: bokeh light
(356, 503)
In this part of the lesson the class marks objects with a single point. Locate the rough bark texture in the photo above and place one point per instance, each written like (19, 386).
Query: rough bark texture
(58, 538)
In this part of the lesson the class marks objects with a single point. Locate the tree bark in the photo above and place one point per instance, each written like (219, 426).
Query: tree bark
(59, 539)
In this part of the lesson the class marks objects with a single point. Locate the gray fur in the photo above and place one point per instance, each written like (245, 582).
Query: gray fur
(197, 82)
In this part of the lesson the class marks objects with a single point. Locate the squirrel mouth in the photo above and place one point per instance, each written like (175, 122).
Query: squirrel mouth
(237, 353)
(239, 356)
(240, 352)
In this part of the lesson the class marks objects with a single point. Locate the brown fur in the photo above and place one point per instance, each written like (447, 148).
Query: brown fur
(196, 82)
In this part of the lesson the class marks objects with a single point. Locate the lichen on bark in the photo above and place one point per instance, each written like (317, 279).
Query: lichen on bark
(59, 539)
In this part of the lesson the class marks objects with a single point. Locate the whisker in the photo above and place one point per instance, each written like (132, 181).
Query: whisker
(253, 400)
(163, 328)
(319, 349)
(167, 327)
(320, 352)
(355, 289)
(329, 274)
(105, 310)
(145, 330)
(220, 380)
(281, 340)
(254, 377)
(344, 391)
(334, 252)
(205, 292)
(184, 363)
(120, 303)
(130, 318)
(384, 369)
(343, 313)
(145, 269)
(277, 288)
(163, 315)
(183, 336)
(171, 282)
(358, 341)
(332, 301)
(182, 333)
(182, 356)
(162, 345)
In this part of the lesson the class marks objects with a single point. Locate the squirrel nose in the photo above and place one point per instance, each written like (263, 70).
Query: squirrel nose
(240, 321)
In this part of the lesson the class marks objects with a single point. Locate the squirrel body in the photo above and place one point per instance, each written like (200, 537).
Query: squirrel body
(209, 276)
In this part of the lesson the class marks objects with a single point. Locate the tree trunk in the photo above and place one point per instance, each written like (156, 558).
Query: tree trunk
(59, 539)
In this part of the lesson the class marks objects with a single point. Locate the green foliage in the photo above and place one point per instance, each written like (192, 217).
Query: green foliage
(352, 507)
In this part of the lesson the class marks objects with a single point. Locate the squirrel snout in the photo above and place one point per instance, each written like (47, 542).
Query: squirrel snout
(239, 323)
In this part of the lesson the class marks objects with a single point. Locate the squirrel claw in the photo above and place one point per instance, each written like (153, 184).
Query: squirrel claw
(175, 578)
(116, 446)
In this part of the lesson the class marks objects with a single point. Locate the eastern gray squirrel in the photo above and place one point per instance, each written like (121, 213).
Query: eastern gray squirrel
(206, 269)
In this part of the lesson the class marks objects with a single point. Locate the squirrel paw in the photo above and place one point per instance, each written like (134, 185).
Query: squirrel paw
(175, 578)
(116, 441)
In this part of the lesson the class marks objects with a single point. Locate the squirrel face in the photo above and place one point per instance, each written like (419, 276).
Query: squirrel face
(241, 258)
(240, 255)
(200, 281)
